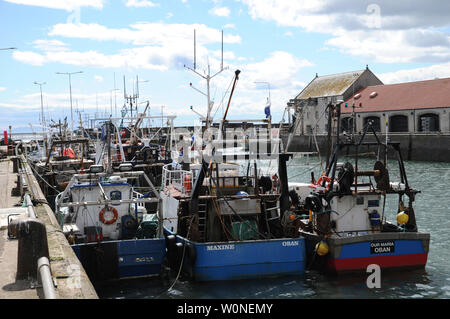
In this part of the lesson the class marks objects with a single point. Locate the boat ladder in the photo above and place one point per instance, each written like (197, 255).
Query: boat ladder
(202, 214)
(272, 213)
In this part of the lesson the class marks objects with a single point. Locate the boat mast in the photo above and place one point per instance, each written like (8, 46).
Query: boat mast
(208, 79)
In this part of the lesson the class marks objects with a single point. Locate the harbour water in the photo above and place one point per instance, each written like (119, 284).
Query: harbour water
(432, 207)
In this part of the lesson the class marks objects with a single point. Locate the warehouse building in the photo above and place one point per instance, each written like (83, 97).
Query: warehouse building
(311, 103)
(413, 107)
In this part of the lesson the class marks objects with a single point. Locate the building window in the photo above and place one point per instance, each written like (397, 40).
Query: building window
(398, 123)
(347, 124)
(429, 123)
(375, 121)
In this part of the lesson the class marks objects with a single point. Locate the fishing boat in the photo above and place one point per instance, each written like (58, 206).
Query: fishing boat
(113, 221)
(345, 227)
(225, 221)
(221, 224)
(228, 228)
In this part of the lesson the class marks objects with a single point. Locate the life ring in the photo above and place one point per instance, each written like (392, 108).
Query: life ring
(318, 186)
(102, 215)
(323, 178)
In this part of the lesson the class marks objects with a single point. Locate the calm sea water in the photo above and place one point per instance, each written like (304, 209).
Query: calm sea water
(432, 207)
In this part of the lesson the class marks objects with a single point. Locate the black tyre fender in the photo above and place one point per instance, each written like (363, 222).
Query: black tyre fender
(171, 241)
(191, 253)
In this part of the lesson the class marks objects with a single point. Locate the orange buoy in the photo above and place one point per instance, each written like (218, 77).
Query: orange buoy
(187, 183)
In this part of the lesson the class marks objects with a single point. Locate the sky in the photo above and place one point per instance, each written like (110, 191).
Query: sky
(278, 45)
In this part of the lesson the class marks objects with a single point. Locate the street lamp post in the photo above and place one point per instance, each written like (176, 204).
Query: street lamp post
(70, 91)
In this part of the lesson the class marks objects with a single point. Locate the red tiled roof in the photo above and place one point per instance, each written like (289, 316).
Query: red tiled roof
(402, 96)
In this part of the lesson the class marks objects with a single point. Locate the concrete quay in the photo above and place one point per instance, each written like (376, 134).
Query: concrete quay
(69, 278)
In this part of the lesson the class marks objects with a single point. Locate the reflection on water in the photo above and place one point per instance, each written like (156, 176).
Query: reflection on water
(432, 207)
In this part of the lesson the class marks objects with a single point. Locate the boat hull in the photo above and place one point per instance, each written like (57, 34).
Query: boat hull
(387, 250)
(247, 259)
(121, 258)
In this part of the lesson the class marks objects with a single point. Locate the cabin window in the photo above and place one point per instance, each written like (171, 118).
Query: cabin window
(429, 123)
(347, 124)
(398, 123)
(115, 195)
(375, 121)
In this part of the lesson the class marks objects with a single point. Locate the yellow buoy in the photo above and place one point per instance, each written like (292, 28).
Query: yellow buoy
(322, 248)
(402, 218)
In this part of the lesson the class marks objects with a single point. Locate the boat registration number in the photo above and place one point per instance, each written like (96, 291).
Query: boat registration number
(382, 247)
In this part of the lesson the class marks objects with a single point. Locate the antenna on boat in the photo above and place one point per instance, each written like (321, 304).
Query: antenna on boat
(208, 79)
(137, 87)
(124, 89)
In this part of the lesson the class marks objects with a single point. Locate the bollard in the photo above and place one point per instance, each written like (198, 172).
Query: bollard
(15, 161)
(32, 236)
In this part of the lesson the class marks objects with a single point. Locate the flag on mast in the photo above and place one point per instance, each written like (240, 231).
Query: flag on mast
(267, 109)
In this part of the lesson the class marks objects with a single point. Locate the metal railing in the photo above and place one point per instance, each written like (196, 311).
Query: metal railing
(181, 180)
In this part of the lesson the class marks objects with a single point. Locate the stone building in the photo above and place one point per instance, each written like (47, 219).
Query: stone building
(311, 103)
(413, 107)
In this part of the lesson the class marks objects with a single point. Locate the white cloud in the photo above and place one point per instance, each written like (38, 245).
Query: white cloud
(98, 78)
(2, 88)
(151, 58)
(229, 26)
(59, 102)
(220, 12)
(50, 45)
(384, 31)
(29, 57)
(140, 3)
(159, 46)
(280, 70)
(418, 74)
(144, 33)
(68, 5)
